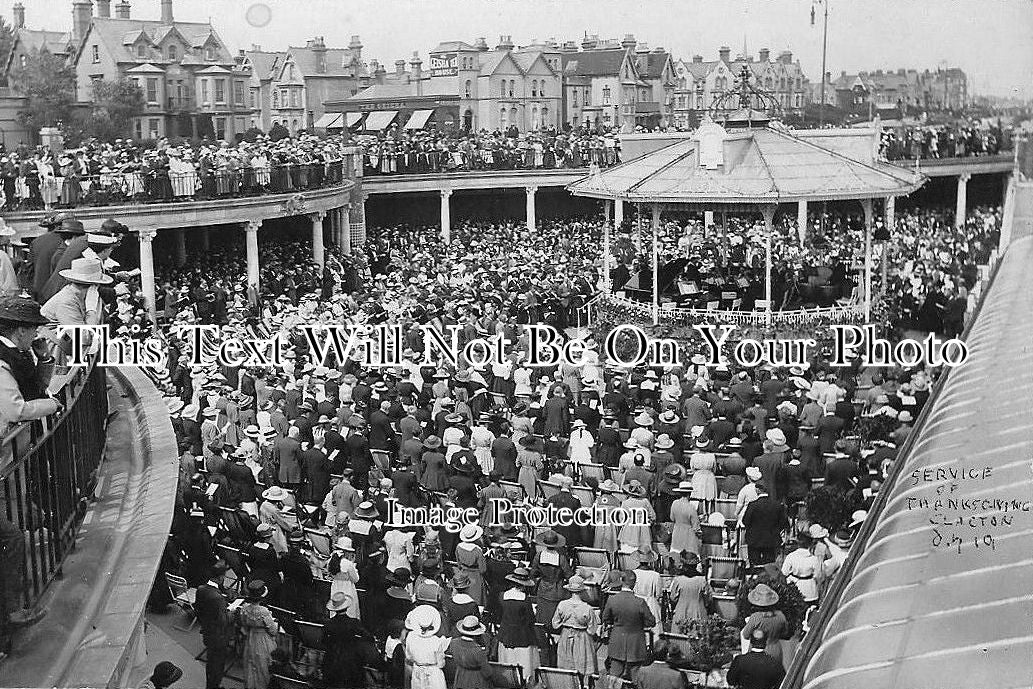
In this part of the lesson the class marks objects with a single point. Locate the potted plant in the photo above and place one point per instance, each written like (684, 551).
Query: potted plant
(713, 641)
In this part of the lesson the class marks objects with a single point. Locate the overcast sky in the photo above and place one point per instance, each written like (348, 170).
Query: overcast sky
(992, 40)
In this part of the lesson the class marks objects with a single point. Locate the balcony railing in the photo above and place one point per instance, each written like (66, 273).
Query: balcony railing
(126, 188)
(430, 162)
(48, 470)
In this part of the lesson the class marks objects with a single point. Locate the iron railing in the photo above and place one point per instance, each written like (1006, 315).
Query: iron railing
(126, 188)
(431, 162)
(48, 471)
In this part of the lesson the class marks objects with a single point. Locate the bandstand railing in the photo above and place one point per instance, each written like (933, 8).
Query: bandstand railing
(848, 312)
(48, 470)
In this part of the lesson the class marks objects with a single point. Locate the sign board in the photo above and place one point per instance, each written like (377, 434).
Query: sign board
(444, 65)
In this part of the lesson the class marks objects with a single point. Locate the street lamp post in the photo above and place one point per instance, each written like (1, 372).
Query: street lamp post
(824, 47)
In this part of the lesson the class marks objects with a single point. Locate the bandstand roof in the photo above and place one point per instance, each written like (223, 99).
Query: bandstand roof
(758, 165)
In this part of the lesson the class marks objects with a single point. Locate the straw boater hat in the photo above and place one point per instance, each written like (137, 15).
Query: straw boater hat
(366, 510)
(274, 493)
(762, 596)
(753, 473)
(86, 271)
(644, 419)
(634, 489)
(776, 436)
(174, 405)
(609, 486)
(575, 584)
(470, 533)
(344, 544)
(432, 442)
(337, 602)
(470, 626)
(664, 442)
(857, 518)
(684, 487)
(521, 576)
(817, 531)
(669, 417)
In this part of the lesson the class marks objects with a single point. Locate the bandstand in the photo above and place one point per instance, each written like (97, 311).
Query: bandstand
(751, 164)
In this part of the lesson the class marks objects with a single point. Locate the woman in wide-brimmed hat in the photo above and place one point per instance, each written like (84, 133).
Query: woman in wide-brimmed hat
(518, 644)
(765, 617)
(345, 575)
(529, 465)
(605, 536)
(689, 592)
(434, 475)
(260, 631)
(470, 560)
(633, 533)
(577, 622)
(460, 603)
(685, 515)
(424, 649)
(553, 567)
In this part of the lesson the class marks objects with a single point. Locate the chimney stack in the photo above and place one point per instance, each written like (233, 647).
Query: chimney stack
(481, 44)
(765, 54)
(319, 48)
(122, 10)
(355, 46)
(697, 59)
(417, 72)
(19, 15)
(104, 8)
(399, 67)
(589, 42)
(82, 15)
(505, 43)
(629, 42)
(724, 53)
(166, 12)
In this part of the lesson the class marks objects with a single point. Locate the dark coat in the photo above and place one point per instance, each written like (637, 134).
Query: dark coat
(471, 662)
(755, 670)
(286, 453)
(630, 617)
(212, 615)
(348, 651)
(764, 519)
(317, 473)
(516, 623)
(660, 675)
(772, 472)
(241, 483)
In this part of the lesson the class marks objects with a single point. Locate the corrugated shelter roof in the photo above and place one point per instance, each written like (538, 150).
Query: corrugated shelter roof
(761, 165)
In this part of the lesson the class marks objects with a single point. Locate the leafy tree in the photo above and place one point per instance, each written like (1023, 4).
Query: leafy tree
(115, 104)
(49, 85)
(6, 43)
(278, 132)
(252, 134)
(205, 127)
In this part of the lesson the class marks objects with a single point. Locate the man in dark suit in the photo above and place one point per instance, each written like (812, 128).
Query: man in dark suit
(772, 463)
(216, 625)
(358, 453)
(628, 617)
(241, 481)
(755, 669)
(842, 472)
(764, 519)
(556, 413)
(286, 454)
(381, 435)
(663, 672)
(564, 499)
(317, 471)
(296, 592)
(828, 429)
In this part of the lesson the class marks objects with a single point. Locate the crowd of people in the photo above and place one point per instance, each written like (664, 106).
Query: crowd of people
(755, 481)
(944, 141)
(414, 151)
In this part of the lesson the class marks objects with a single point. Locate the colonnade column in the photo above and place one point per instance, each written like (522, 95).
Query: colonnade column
(343, 229)
(318, 249)
(618, 213)
(146, 238)
(708, 222)
(960, 209)
(656, 264)
(205, 240)
(866, 204)
(606, 246)
(357, 218)
(532, 221)
(889, 212)
(251, 228)
(801, 220)
(769, 228)
(180, 249)
(446, 215)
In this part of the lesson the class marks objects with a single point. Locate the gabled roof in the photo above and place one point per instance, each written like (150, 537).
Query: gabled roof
(118, 34)
(526, 59)
(54, 41)
(607, 61)
(651, 65)
(338, 63)
(492, 61)
(262, 63)
(214, 69)
(761, 165)
(452, 47)
(146, 68)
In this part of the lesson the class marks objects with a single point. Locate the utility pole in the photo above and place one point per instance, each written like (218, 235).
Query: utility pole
(824, 47)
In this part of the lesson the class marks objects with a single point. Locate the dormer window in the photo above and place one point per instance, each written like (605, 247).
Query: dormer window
(173, 53)
(141, 50)
(209, 53)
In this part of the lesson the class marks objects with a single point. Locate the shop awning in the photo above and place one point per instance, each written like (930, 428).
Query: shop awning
(380, 119)
(330, 120)
(419, 119)
(353, 118)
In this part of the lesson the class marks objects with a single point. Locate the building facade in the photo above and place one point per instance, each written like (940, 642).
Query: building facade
(700, 83)
(906, 90)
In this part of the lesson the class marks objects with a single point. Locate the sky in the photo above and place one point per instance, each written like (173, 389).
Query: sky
(991, 40)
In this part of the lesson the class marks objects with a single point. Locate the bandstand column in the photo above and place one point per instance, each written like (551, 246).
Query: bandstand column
(343, 231)
(656, 264)
(801, 220)
(146, 238)
(866, 204)
(446, 215)
(769, 217)
(708, 221)
(180, 238)
(251, 228)
(618, 213)
(960, 209)
(532, 220)
(318, 249)
(638, 228)
(205, 239)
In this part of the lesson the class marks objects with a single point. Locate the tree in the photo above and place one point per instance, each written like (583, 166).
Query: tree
(252, 134)
(115, 104)
(6, 44)
(278, 132)
(49, 85)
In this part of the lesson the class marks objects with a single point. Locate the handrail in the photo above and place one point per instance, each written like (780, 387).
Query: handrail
(756, 317)
(48, 473)
(812, 641)
(141, 187)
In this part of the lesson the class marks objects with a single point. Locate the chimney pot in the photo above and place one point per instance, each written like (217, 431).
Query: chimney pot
(399, 66)
(723, 53)
(104, 8)
(765, 54)
(19, 15)
(122, 9)
(166, 12)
